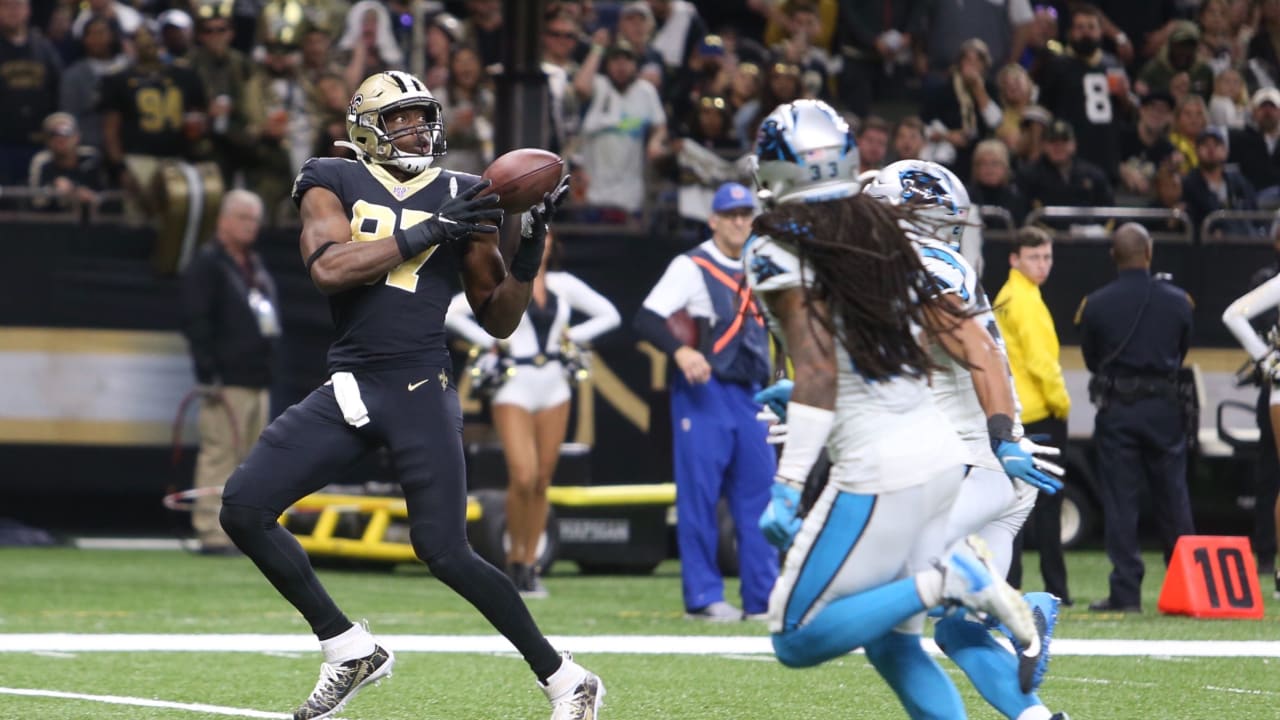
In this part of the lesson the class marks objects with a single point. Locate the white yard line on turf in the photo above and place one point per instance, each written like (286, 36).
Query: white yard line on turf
(144, 702)
(604, 644)
(85, 543)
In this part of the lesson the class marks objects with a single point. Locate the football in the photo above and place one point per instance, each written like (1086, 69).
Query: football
(684, 328)
(522, 176)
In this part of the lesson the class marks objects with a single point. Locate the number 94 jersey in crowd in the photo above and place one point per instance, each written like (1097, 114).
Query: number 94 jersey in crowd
(879, 426)
(398, 320)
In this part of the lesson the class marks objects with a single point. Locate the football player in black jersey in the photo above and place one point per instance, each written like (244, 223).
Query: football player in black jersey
(382, 236)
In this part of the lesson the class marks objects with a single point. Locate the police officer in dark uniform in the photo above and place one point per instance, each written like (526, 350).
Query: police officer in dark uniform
(1134, 333)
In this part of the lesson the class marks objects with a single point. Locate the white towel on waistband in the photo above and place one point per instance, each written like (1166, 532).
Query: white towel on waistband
(347, 393)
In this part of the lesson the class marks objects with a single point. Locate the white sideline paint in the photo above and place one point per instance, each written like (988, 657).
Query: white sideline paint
(144, 702)
(603, 644)
(86, 543)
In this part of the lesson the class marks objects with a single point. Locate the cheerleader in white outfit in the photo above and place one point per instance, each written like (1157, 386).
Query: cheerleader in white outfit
(531, 409)
(1266, 357)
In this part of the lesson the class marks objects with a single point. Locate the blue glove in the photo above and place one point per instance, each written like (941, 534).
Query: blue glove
(778, 522)
(1019, 461)
(776, 397)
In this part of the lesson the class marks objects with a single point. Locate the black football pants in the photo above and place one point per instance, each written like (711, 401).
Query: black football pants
(414, 412)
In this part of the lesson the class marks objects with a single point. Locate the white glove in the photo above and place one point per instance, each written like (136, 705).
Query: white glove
(777, 430)
(1040, 452)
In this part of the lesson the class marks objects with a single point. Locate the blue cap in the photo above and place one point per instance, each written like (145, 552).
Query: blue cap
(732, 196)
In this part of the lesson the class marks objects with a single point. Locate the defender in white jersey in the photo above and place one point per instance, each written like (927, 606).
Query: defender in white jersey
(846, 293)
(991, 503)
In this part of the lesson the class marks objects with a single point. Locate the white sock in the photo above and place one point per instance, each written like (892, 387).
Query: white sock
(1039, 712)
(565, 680)
(356, 642)
(929, 586)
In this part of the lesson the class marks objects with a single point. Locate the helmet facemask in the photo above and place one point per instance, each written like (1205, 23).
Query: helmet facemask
(381, 95)
(388, 153)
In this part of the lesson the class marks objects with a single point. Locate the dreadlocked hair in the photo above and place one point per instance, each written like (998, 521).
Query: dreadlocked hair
(870, 275)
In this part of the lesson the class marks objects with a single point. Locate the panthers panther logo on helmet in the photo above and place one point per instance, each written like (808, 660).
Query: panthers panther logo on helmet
(806, 152)
(383, 93)
(921, 188)
(933, 191)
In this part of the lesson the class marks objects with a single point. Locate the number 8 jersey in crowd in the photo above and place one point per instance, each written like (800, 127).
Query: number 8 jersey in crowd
(888, 435)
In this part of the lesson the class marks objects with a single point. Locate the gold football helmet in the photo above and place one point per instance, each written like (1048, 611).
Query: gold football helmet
(384, 93)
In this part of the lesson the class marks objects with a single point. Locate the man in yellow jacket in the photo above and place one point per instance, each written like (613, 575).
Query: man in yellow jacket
(1032, 344)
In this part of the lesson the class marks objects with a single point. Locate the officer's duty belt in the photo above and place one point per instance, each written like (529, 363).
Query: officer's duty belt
(1138, 387)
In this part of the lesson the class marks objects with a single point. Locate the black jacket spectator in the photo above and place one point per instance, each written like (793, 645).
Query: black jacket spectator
(1201, 198)
(992, 181)
(29, 75)
(30, 70)
(1256, 150)
(1259, 164)
(1082, 185)
(1211, 186)
(1061, 178)
(213, 295)
(874, 36)
(1007, 196)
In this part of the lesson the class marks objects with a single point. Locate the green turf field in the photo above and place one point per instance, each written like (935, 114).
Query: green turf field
(69, 591)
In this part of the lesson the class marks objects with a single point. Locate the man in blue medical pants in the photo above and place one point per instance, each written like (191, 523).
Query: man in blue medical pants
(719, 447)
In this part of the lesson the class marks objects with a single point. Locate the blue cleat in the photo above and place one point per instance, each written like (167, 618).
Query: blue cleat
(969, 578)
(1044, 609)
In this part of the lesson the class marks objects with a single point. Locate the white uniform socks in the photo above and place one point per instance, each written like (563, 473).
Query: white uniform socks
(356, 642)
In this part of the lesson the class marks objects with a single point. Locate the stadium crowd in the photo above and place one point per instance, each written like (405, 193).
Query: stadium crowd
(1168, 103)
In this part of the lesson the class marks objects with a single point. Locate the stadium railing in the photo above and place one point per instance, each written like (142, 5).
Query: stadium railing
(22, 203)
(1086, 224)
(1238, 227)
(998, 223)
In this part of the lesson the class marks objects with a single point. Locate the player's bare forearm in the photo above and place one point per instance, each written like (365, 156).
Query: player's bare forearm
(344, 264)
(506, 306)
(497, 298)
(968, 342)
(810, 346)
